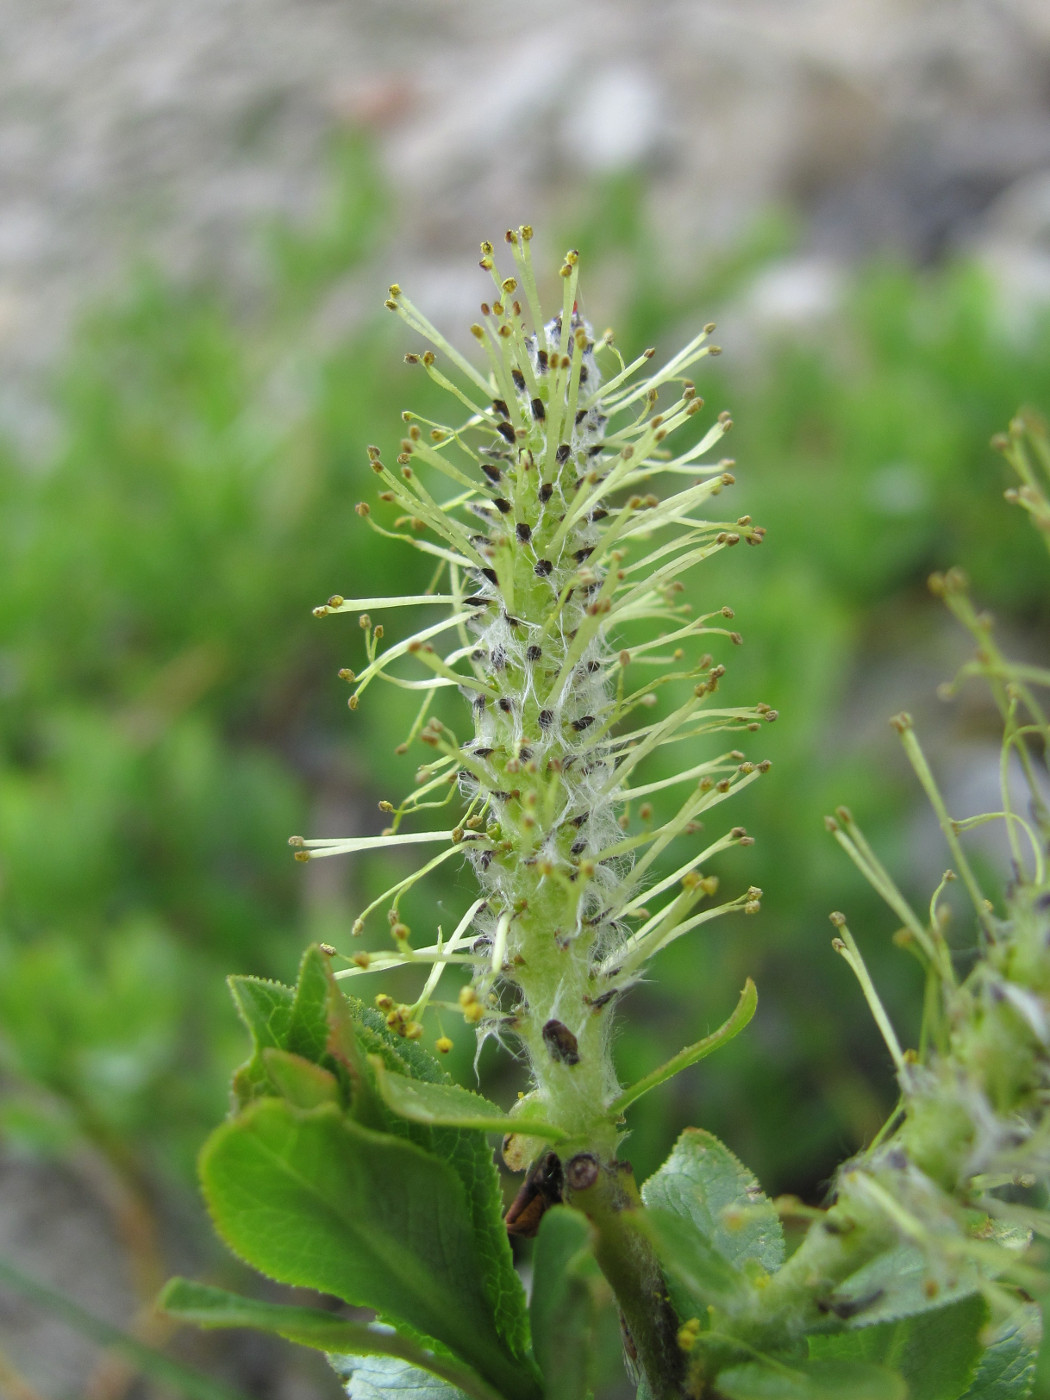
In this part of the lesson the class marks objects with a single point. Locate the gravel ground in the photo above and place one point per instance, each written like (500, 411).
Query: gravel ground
(130, 128)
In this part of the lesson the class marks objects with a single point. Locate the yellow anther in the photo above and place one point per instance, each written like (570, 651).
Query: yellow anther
(688, 1334)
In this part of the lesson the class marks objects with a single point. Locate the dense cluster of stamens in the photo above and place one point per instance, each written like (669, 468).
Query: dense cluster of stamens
(553, 549)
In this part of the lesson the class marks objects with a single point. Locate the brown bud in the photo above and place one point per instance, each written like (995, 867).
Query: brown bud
(581, 1171)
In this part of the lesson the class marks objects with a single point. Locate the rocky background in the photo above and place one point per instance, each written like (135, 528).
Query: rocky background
(135, 131)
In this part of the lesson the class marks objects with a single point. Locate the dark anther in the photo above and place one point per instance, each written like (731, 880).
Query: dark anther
(583, 374)
(504, 507)
(524, 753)
(593, 451)
(585, 553)
(492, 472)
(491, 575)
(581, 415)
(593, 666)
(477, 600)
(538, 411)
(533, 653)
(542, 568)
(561, 1043)
(546, 718)
(485, 859)
(483, 752)
(498, 659)
(562, 454)
(596, 1003)
(523, 532)
(519, 381)
(583, 723)
(581, 1171)
(578, 847)
(543, 360)
(577, 822)
(480, 701)
(505, 705)
(512, 621)
(501, 408)
(505, 431)
(546, 492)
(598, 514)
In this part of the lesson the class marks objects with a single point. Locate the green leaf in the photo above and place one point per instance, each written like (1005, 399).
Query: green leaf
(315, 1199)
(308, 1032)
(203, 1306)
(450, 1105)
(467, 1152)
(469, 1155)
(812, 1380)
(564, 1304)
(303, 1084)
(1007, 1369)
(284, 1019)
(376, 1377)
(691, 1259)
(936, 1352)
(319, 1024)
(895, 1285)
(464, 1149)
(266, 1009)
(745, 1009)
(714, 1195)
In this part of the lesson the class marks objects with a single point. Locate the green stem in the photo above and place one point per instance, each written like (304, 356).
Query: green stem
(607, 1194)
(836, 1245)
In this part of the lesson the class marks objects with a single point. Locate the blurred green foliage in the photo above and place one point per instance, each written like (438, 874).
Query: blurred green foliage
(169, 712)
